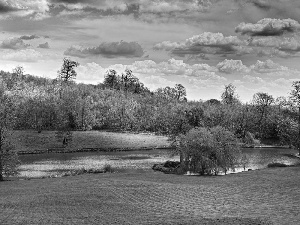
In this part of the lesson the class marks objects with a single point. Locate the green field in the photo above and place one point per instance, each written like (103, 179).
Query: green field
(269, 196)
(31, 140)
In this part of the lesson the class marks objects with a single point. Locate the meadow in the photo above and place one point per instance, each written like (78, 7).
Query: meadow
(143, 196)
(31, 140)
(268, 196)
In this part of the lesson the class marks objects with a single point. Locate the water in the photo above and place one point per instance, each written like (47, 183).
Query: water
(56, 163)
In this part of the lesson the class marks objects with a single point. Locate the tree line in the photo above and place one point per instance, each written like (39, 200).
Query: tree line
(122, 102)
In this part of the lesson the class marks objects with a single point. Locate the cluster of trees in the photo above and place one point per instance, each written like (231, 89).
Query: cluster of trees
(122, 102)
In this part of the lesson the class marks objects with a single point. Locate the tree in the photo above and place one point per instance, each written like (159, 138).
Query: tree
(18, 71)
(67, 71)
(111, 79)
(207, 151)
(128, 81)
(180, 92)
(262, 102)
(8, 158)
(295, 97)
(229, 95)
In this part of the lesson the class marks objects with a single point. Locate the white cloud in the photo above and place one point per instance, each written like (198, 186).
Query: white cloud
(253, 79)
(207, 43)
(90, 73)
(268, 27)
(25, 55)
(267, 67)
(13, 43)
(232, 66)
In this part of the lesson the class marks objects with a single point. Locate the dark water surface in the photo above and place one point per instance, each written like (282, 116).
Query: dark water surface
(54, 163)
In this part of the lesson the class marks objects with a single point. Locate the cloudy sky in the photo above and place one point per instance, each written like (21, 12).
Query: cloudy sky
(202, 44)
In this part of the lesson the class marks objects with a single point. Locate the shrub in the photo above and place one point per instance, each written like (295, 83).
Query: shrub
(108, 168)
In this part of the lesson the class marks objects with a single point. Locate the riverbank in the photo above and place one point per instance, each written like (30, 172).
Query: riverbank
(269, 196)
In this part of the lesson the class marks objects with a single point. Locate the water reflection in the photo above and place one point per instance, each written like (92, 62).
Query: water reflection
(54, 164)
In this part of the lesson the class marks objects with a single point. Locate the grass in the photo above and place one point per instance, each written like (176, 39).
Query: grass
(31, 140)
(269, 196)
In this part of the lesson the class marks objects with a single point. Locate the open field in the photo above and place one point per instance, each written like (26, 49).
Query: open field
(31, 140)
(269, 196)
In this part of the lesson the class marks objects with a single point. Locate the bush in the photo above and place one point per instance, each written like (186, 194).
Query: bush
(107, 168)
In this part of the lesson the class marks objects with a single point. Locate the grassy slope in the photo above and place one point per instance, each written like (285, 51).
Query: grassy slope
(271, 195)
(30, 140)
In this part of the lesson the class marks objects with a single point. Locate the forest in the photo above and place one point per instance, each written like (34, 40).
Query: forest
(122, 102)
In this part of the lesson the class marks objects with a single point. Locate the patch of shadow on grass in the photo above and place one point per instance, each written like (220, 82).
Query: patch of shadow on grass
(135, 157)
(274, 165)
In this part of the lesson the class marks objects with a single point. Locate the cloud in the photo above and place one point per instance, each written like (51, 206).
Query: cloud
(45, 45)
(29, 37)
(13, 43)
(232, 66)
(252, 79)
(90, 73)
(260, 67)
(205, 43)
(281, 43)
(108, 49)
(262, 4)
(267, 67)
(162, 6)
(172, 67)
(277, 8)
(5, 7)
(268, 27)
(24, 55)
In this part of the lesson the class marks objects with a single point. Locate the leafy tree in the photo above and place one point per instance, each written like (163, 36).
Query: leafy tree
(262, 102)
(295, 97)
(180, 92)
(128, 81)
(8, 157)
(229, 95)
(67, 71)
(111, 79)
(208, 151)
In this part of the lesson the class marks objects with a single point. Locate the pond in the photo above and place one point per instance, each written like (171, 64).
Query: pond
(53, 164)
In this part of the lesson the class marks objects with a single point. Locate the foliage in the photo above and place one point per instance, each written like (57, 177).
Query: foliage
(122, 102)
(295, 98)
(67, 71)
(107, 168)
(208, 151)
(8, 158)
(229, 95)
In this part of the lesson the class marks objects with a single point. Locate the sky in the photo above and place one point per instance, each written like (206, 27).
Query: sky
(201, 44)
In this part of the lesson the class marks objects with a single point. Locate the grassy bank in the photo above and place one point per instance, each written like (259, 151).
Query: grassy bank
(31, 140)
(270, 196)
